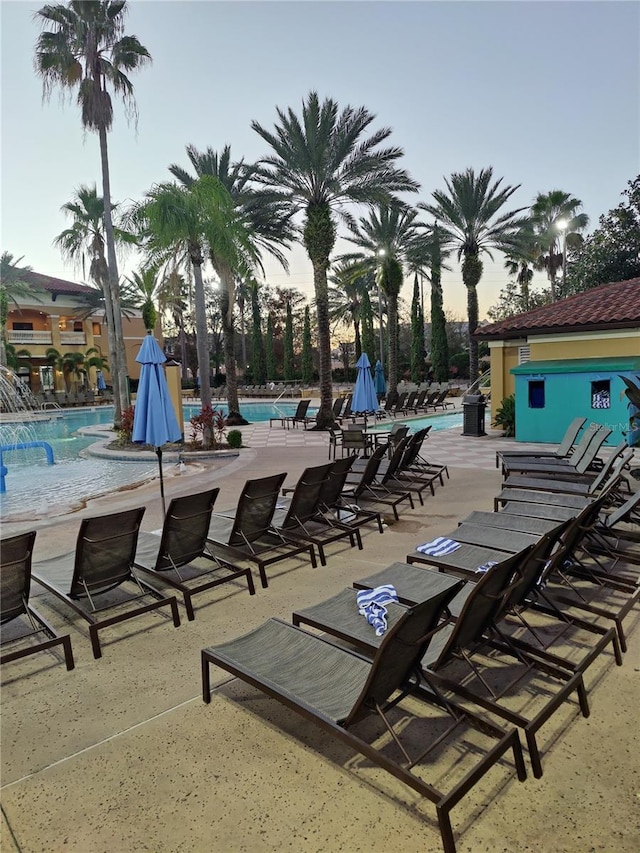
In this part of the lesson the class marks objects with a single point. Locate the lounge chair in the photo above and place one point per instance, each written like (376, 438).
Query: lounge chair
(563, 451)
(302, 521)
(441, 401)
(583, 458)
(100, 577)
(368, 487)
(248, 535)
(479, 610)
(15, 583)
(180, 557)
(387, 410)
(336, 688)
(398, 407)
(299, 417)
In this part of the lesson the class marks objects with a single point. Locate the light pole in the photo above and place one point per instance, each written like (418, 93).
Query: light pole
(381, 254)
(562, 225)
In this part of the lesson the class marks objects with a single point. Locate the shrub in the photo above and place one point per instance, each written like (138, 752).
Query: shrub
(126, 426)
(506, 416)
(208, 428)
(234, 438)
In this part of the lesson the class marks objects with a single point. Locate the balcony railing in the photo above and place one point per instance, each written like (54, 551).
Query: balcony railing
(25, 336)
(73, 339)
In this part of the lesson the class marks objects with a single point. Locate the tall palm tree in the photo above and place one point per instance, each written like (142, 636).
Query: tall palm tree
(346, 289)
(320, 162)
(267, 227)
(142, 288)
(84, 244)
(12, 287)
(386, 236)
(174, 220)
(83, 47)
(471, 218)
(521, 260)
(552, 214)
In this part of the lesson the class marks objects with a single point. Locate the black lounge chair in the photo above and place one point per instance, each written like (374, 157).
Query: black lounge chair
(336, 688)
(15, 583)
(563, 451)
(478, 609)
(248, 534)
(365, 487)
(582, 460)
(441, 400)
(180, 557)
(100, 576)
(302, 520)
(389, 403)
(299, 417)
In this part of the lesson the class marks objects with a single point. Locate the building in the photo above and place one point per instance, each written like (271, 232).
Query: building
(69, 318)
(566, 359)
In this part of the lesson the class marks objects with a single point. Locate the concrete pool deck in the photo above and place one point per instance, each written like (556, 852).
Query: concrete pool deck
(122, 755)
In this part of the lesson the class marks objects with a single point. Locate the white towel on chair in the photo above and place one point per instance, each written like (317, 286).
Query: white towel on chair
(371, 605)
(438, 547)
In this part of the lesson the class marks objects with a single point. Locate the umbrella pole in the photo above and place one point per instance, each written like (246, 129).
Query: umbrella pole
(159, 454)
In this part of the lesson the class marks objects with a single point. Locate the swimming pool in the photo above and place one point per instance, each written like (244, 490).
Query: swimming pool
(436, 422)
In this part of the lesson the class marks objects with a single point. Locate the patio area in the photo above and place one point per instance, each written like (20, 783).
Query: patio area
(122, 755)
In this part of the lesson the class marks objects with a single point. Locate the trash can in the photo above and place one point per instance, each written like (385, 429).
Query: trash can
(473, 408)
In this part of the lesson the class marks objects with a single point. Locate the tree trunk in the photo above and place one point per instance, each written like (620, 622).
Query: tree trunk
(392, 334)
(119, 370)
(234, 418)
(324, 418)
(241, 305)
(471, 275)
(356, 331)
(195, 253)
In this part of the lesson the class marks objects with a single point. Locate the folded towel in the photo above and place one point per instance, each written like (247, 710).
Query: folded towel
(371, 605)
(486, 566)
(438, 547)
(281, 506)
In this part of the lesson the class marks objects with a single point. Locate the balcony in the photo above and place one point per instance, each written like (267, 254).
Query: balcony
(73, 339)
(25, 337)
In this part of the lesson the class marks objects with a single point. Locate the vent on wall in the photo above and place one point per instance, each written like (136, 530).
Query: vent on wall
(524, 354)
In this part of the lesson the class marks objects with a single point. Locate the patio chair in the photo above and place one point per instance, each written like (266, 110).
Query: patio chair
(15, 584)
(431, 397)
(100, 577)
(336, 688)
(441, 401)
(563, 451)
(409, 403)
(180, 557)
(368, 487)
(583, 458)
(346, 412)
(398, 407)
(302, 520)
(354, 439)
(247, 534)
(389, 402)
(299, 417)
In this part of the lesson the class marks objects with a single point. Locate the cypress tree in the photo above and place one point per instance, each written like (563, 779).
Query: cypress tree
(289, 366)
(257, 343)
(417, 334)
(368, 338)
(439, 345)
(270, 356)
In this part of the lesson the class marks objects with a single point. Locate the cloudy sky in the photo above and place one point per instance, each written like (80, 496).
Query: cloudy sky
(547, 93)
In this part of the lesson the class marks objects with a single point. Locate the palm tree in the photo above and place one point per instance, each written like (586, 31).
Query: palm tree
(346, 290)
(174, 220)
(12, 287)
(85, 48)
(319, 163)
(470, 217)
(520, 262)
(84, 244)
(386, 236)
(93, 358)
(142, 288)
(552, 214)
(267, 226)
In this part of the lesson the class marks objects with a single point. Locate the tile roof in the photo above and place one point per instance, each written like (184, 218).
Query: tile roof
(609, 306)
(55, 285)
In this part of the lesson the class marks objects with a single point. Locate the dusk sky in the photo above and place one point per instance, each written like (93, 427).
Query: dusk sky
(548, 93)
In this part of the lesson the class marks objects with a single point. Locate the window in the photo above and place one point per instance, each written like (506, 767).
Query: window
(22, 327)
(78, 326)
(97, 329)
(536, 394)
(601, 394)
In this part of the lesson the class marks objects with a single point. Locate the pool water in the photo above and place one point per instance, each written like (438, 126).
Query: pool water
(436, 422)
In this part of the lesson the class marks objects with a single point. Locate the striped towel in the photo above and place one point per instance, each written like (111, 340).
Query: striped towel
(486, 566)
(438, 547)
(371, 605)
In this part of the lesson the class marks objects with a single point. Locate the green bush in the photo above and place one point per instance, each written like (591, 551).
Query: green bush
(234, 438)
(506, 416)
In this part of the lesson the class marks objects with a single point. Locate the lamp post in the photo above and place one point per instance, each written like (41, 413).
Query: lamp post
(562, 225)
(381, 254)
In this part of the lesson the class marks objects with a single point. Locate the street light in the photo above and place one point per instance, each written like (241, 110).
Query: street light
(381, 254)
(562, 226)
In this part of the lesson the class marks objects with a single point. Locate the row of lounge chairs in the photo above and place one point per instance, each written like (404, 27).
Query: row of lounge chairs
(51, 400)
(415, 402)
(114, 562)
(467, 642)
(273, 389)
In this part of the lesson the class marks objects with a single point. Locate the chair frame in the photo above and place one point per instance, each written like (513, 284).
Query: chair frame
(129, 524)
(21, 563)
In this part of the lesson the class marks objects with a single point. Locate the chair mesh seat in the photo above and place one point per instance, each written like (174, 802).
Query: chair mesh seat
(294, 663)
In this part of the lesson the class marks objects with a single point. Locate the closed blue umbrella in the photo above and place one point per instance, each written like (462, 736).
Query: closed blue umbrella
(379, 381)
(364, 394)
(154, 420)
(101, 384)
